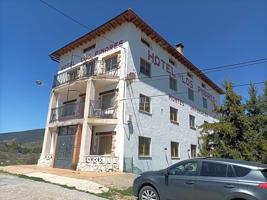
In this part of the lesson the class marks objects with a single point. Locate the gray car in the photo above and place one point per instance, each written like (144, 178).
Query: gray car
(204, 179)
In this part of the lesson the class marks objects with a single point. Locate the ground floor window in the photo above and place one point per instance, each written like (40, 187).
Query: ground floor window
(173, 114)
(174, 150)
(193, 151)
(144, 146)
(104, 143)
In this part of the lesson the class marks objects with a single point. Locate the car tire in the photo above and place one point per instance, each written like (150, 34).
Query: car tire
(148, 192)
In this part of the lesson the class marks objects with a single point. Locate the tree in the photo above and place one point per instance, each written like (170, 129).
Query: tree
(233, 136)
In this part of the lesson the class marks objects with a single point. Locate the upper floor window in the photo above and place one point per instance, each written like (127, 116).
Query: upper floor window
(89, 48)
(144, 146)
(171, 61)
(145, 67)
(173, 83)
(190, 75)
(144, 103)
(205, 102)
(191, 94)
(174, 150)
(192, 124)
(145, 42)
(173, 114)
(193, 151)
(111, 63)
(203, 85)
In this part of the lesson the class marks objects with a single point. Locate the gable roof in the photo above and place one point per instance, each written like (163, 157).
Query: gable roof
(126, 17)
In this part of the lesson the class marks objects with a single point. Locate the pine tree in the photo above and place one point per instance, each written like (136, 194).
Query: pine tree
(235, 135)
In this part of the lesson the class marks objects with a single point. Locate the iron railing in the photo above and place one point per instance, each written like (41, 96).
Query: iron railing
(91, 68)
(98, 110)
(67, 111)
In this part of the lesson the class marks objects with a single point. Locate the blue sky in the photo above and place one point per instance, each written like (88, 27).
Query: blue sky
(214, 33)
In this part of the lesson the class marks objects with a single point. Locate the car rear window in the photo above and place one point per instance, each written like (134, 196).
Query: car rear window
(241, 171)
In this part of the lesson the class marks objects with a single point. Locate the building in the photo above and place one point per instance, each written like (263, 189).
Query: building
(124, 99)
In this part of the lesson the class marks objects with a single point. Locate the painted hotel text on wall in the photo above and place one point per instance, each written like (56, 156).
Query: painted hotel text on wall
(156, 60)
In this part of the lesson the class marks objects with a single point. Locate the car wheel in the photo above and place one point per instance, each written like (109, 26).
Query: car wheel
(148, 193)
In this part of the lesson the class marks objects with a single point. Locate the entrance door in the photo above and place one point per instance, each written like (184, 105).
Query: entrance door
(65, 147)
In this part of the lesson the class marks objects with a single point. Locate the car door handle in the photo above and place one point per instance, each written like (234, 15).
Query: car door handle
(189, 182)
(229, 186)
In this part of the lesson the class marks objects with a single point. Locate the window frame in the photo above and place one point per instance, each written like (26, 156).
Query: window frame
(144, 148)
(146, 70)
(191, 91)
(171, 115)
(205, 102)
(113, 66)
(144, 104)
(178, 150)
(145, 42)
(194, 124)
(191, 150)
(173, 83)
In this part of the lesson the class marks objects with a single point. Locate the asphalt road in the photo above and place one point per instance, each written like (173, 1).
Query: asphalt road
(12, 187)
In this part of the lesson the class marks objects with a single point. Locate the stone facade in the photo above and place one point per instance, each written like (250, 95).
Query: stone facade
(99, 164)
(46, 160)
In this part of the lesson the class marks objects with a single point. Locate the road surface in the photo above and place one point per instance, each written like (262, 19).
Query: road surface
(13, 187)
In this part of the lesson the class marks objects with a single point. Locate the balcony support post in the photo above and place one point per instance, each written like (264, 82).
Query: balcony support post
(87, 128)
(47, 142)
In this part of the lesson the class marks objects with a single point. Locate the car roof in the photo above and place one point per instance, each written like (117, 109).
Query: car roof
(244, 163)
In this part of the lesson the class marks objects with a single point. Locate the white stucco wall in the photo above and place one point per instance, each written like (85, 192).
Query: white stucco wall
(155, 125)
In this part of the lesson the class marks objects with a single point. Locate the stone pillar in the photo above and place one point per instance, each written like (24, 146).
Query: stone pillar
(87, 129)
(46, 157)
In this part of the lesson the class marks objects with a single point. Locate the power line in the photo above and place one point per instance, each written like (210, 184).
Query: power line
(72, 19)
(213, 69)
(175, 93)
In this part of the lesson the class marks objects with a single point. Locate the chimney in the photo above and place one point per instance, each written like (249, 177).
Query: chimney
(180, 48)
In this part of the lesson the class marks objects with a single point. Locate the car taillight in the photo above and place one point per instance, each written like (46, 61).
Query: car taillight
(263, 186)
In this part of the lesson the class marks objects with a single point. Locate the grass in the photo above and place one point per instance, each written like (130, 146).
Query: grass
(112, 194)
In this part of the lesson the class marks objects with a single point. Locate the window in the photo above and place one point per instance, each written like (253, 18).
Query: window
(111, 63)
(173, 83)
(184, 169)
(90, 67)
(145, 67)
(171, 61)
(105, 144)
(89, 48)
(193, 151)
(189, 75)
(108, 100)
(203, 85)
(230, 171)
(241, 171)
(213, 169)
(192, 122)
(145, 42)
(144, 103)
(174, 149)
(144, 146)
(173, 114)
(190, 94)
(205, 102)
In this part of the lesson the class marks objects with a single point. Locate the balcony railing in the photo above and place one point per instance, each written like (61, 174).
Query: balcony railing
(99, 110)
(67, 111)
(91, 68)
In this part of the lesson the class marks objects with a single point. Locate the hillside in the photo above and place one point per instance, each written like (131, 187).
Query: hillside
(24, 136)
(22, 147)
